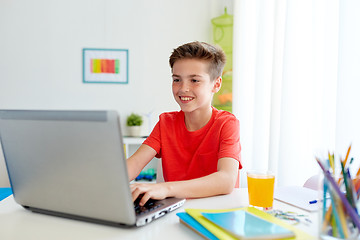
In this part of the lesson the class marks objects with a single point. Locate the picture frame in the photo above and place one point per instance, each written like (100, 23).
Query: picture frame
(105, 65)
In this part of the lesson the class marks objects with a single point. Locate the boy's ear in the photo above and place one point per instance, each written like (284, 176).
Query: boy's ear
(217, 85)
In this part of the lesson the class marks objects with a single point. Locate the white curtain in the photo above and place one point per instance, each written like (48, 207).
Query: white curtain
(284, 84)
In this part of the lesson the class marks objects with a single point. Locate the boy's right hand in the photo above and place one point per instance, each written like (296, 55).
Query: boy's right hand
(156, 191)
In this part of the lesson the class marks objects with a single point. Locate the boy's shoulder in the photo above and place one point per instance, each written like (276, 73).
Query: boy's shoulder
(224, 115)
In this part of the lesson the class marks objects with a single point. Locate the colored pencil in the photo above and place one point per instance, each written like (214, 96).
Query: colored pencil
(347, 155)
(346, 182)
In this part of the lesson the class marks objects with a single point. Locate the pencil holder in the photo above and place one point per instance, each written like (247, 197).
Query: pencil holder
(335, 220)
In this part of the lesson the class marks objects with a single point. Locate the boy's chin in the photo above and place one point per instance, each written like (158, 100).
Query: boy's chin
(186, 109)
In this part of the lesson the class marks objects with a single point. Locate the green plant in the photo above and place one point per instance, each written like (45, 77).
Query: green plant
(134, 120)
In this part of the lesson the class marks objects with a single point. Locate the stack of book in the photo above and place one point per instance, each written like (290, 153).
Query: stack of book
(239, 223)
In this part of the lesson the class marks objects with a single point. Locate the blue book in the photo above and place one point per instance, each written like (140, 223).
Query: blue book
(194, 225)
(244, 225)
(4, 193)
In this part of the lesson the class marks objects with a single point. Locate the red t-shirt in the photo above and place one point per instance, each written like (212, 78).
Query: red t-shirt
(187, 155)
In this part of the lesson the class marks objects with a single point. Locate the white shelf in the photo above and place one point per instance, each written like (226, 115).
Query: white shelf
(131, 144)
(134, 140)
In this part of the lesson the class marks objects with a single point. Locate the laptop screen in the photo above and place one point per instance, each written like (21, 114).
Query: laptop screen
(68, 161)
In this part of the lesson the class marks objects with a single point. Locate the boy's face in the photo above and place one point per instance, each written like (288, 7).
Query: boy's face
(192, 87)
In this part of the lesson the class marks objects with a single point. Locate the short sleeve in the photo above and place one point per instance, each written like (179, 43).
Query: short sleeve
(153, 140)
(230, 140)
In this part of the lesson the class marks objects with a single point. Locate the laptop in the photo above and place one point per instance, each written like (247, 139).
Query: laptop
(72, 164)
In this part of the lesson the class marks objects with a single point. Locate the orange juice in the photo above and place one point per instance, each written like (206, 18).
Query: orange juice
(261, 189)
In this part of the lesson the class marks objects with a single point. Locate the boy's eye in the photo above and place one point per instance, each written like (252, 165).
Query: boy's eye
(194, 80)
(176, 80)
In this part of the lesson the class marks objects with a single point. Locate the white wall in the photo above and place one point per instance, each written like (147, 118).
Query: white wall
(41, 44)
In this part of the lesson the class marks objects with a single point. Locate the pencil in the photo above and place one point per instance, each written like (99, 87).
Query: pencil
(324, 198)
(347, 154)
(351, 190)
(327, 218)
(356, 183)
(342, 217)
(331, 161)
(357, 173)
(346, 182)
(334, 229)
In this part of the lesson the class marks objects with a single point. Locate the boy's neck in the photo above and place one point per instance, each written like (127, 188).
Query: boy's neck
(197, 119)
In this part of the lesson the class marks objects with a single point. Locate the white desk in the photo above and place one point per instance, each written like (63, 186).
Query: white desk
(18, 223)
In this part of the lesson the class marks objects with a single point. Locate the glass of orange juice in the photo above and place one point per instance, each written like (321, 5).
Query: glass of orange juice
(261, 188)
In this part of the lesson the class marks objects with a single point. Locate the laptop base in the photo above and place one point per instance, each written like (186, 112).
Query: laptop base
(75, 217)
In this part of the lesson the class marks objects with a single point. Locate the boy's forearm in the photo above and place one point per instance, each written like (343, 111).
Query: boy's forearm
(221, 182)
(133, 171)
(139, 160)
(214, 184)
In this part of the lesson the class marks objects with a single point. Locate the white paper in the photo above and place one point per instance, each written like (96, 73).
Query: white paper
(298, 197)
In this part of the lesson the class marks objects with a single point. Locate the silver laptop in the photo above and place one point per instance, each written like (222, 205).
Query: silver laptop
(71, 164)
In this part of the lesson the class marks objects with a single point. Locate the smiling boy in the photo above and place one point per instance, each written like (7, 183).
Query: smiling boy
(199, 145)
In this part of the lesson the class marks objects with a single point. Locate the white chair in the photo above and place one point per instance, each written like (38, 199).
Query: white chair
(313, 182)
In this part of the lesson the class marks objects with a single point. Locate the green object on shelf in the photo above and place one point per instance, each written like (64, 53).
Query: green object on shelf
(150, 171)
(148, 174)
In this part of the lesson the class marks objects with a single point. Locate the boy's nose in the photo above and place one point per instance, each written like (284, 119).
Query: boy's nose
(184, 87)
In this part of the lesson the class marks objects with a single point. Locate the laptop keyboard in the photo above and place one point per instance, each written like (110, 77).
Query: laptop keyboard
(149, 206)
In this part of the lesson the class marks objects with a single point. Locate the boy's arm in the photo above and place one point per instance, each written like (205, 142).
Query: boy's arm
(138, 160)
(220, 182)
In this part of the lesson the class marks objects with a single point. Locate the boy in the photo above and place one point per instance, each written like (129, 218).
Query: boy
(199, 145)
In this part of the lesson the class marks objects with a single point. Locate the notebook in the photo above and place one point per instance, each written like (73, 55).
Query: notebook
(298, 196)
(244, 225)
(72, 164)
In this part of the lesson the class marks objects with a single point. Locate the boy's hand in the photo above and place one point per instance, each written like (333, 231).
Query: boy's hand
(156, 191)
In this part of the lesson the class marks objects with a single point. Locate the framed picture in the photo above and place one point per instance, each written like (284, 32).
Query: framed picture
(105, 65)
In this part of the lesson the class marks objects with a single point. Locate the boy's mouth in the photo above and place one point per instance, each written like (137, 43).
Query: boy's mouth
(186, 99)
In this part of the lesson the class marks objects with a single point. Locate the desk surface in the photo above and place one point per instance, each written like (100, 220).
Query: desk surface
(18, 223)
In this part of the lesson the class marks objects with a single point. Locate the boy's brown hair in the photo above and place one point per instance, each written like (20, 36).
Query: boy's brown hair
(202, 51)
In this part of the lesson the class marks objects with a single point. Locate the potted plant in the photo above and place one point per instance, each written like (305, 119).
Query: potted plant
(134, 122)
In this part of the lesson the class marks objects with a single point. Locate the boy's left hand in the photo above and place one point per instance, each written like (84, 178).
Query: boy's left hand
(156, 191)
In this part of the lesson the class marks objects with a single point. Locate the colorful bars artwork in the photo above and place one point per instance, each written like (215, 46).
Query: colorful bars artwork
(105, 66)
